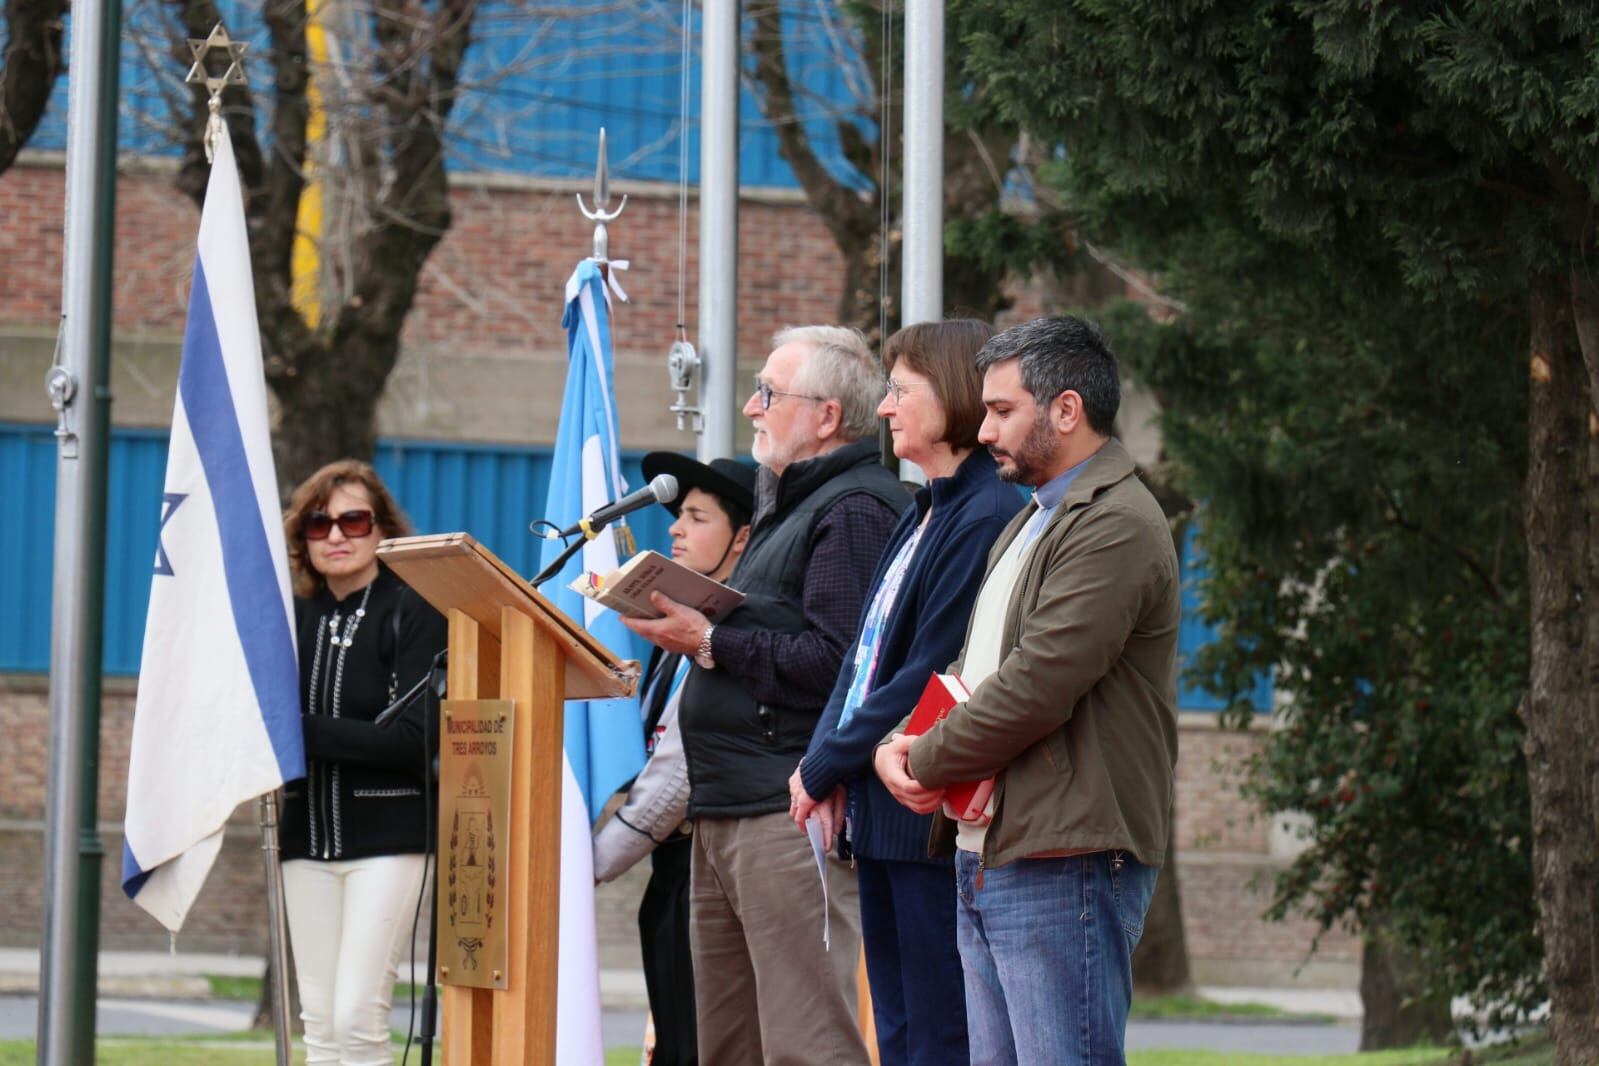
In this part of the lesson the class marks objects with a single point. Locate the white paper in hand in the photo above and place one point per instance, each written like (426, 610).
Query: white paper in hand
(813, 829)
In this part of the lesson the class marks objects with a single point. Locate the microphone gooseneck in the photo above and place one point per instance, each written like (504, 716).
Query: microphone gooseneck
(661, 489)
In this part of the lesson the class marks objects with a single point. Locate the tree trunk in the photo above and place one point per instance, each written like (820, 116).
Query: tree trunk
(28, 70)
(1397, 1013)
(263, 1004)
(328, 410)
(1559, 709)
(1160, 962)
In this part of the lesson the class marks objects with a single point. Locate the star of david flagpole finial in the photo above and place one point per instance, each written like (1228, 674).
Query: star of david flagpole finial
(218, 42)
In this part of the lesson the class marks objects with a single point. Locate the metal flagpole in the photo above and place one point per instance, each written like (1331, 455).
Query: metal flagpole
(922, 263)
(277, 934)
(79, 387)
(922, 284)
(718, 317)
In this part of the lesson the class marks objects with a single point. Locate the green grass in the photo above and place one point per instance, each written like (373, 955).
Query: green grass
(252, 1049)
(245, 1049)
(134, 1052)
(248, 989)
(1415, 1057)
(1185, 1007)
(1533, 1051)
(1537, 1050)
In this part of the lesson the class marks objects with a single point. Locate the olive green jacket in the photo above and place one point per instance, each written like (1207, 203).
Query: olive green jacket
(1079, 722)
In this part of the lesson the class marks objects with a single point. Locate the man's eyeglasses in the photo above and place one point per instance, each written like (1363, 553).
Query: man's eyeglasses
(353, 524)
(898, 388)
(766, 392)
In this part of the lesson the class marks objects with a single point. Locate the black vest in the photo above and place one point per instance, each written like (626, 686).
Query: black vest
(740, 751)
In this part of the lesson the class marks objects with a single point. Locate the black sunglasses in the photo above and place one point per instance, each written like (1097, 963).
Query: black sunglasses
(353, 524)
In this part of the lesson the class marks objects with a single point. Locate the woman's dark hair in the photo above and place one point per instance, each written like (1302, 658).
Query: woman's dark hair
(945, 353)
(313, 495)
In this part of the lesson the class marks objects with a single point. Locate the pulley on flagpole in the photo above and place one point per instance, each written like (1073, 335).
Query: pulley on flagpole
(218, 45)
(682, 361)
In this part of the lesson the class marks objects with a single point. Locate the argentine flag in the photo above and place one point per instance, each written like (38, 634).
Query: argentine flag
(217, 719)
(604, 748)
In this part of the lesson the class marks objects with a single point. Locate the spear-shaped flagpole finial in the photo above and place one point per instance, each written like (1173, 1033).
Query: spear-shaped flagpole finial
(601, 214)
(200, 74)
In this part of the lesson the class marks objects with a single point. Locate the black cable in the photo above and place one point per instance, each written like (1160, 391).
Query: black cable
(425, 686)
(560, 561)
(534, 526)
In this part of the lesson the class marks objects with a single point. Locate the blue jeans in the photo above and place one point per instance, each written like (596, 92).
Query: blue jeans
(908, 930)
(1047, 946)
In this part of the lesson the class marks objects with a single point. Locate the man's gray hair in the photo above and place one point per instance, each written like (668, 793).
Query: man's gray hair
(841, 367)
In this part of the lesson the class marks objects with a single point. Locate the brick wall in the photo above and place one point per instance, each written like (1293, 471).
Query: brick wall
(484, 340)
(1227, 855)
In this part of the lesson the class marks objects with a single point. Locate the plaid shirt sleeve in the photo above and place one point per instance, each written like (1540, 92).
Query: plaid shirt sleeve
(800, 668)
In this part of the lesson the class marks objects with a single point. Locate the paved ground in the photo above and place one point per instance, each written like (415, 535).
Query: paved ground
(19, 1016)
(151, 993)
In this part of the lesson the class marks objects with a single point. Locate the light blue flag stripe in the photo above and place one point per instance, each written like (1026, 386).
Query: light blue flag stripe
(604, 744)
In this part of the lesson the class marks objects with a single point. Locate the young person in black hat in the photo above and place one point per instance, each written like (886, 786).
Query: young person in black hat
(713, 513)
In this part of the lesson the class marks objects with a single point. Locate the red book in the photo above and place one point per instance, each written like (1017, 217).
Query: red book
(967, 800)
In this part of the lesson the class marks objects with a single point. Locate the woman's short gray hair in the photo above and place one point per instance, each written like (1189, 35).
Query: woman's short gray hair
(841, 367)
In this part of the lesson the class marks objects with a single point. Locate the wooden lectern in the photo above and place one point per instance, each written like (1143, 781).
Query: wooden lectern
(509, 642)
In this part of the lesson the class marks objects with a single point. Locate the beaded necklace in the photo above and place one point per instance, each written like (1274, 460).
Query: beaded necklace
(339, 644)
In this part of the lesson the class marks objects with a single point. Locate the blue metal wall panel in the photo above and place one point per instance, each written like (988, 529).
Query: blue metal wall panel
(28, 485)
(1194, 633)
(541, 88)
(492, 492)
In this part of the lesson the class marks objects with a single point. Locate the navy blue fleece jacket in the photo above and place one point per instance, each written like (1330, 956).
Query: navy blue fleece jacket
(923, 634)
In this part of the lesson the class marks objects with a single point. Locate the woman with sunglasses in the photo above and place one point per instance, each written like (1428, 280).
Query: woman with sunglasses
(355, 829)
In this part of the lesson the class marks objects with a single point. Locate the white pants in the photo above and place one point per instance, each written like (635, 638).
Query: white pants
(349, 923)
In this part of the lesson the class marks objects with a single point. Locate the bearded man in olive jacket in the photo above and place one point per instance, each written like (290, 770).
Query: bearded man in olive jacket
(767, 988)
(1070, 657)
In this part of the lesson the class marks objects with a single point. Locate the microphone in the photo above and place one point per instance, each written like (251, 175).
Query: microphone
(663, 489)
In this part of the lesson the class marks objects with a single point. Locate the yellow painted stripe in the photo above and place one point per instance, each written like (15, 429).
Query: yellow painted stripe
(305, 258)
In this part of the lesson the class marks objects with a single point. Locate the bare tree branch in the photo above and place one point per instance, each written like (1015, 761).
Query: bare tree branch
(851, 218)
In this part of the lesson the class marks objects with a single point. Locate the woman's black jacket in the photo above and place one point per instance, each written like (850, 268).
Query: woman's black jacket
(362, 793)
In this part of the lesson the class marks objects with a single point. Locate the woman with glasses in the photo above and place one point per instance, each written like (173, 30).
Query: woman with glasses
(355, 829)
(912, 627)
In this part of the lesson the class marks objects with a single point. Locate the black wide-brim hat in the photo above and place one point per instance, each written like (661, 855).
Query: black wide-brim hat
(727, 478)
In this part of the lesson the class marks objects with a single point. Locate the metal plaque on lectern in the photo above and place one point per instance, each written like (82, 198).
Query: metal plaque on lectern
(474, 841)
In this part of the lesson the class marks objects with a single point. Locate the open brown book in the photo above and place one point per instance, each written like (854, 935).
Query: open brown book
(626, 590)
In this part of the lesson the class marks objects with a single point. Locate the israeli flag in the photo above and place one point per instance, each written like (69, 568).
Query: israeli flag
(604, 748)
(217, 719)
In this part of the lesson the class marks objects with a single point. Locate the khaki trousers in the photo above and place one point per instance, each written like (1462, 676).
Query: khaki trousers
(767, 990)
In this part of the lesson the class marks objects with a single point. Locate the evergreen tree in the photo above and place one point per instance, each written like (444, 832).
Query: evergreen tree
(1367, 208)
